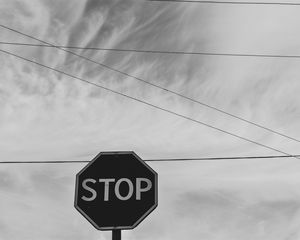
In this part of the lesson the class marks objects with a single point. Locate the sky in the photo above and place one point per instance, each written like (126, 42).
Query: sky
(45, 115)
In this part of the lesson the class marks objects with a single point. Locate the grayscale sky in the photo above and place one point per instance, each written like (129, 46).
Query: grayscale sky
(48, 116)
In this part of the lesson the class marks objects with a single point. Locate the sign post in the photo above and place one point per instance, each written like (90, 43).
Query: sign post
(116, 234)
(116, 191)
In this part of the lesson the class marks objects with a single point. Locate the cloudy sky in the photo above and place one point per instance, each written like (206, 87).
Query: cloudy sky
(48, 116)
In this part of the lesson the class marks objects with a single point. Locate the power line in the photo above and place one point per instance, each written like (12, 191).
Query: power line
(44, 162)
(229, 2)
(156, 160)
(148, 104)
(155, 85)
(153, 51)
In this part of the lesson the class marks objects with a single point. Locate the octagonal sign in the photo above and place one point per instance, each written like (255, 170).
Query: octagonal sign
(116, 190)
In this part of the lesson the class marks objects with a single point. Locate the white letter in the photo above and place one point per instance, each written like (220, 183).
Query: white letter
(94, 193)
(117, 189)
(106, 187)
(139, 188)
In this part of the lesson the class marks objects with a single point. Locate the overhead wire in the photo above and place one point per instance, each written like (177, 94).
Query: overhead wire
(149, 104)
(153, 51)
(157, 159)
(155, 85)
(229, 2)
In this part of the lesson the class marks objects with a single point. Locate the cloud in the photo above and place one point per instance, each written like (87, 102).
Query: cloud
(45, 115)
(77, 111)
(216, 216)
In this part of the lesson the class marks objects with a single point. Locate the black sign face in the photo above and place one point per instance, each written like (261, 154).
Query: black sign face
(116, 190)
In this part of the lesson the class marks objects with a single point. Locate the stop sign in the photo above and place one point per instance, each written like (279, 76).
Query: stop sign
(116, 190)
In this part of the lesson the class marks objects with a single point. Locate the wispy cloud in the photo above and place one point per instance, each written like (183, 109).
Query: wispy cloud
(44, 115)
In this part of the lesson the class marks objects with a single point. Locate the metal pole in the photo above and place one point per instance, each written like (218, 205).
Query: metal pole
(116, 234)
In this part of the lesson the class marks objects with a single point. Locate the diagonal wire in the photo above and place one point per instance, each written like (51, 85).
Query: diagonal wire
(153, 51)
(229, 2)
(158, 159)
(155, 85)
(149, 104)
